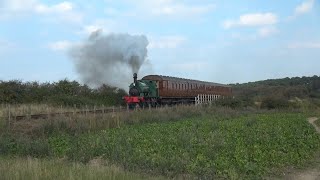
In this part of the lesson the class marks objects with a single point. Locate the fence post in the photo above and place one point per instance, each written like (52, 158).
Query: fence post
(29, 112)
(48, 113)
(74, 109)
(9, 116)
(86, 110)
(94, 111)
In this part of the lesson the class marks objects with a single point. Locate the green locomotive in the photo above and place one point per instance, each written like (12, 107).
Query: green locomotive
(142, 93)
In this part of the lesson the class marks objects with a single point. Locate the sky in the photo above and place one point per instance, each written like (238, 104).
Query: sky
(224, 41)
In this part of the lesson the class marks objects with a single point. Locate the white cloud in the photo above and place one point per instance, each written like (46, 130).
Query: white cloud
(63, 11)
(304, 45)
(167, 8)
(262, 32)
(166, 42)
(257, 19)
(106, 25)
(181, 9)
(60, 45)
(91, 28)
(17, 5)
(267, 31)
(304, 7)
(57, 8)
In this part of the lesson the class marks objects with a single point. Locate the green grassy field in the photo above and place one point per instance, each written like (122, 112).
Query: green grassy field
(240, 145)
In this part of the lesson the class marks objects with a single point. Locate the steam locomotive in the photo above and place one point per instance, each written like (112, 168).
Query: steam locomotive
(153, 90)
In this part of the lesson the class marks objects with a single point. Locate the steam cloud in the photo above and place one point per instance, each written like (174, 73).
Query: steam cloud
(109, 59)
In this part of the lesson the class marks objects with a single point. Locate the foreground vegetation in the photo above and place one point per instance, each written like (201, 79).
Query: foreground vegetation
(185, 142)
(31, 168)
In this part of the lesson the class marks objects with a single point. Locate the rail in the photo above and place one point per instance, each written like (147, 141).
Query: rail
(71, 113)
(199, 100)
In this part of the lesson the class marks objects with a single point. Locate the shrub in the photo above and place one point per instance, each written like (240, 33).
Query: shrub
(274, 103)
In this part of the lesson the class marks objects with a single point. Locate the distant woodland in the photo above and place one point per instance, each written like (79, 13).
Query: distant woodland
(277, 93)
(274, 93)
(64, 92)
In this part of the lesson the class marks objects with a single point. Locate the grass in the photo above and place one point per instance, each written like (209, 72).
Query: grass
(225, 144)
(317, 122)
(78, 124)
(248, 146)
(27, 109)
(31, 168)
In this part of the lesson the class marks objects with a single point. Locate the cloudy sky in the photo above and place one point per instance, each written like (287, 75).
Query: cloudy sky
(223, 41)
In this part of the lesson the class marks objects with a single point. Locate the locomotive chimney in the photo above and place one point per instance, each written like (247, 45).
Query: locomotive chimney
(135, 78)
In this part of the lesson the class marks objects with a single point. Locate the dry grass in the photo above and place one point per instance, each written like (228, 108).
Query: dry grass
(81, 123)
(30, 168)
(27, 109)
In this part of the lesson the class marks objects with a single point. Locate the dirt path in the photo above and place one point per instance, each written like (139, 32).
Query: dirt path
(311, 121)
(311, 173)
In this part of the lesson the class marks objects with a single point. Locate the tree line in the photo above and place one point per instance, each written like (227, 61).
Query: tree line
(63, 92)
(271, 93)
(277, 93)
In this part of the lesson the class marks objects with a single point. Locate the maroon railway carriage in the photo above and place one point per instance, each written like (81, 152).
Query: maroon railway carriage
(179, 90)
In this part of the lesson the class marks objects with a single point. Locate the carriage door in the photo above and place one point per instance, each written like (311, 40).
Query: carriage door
(159, 88)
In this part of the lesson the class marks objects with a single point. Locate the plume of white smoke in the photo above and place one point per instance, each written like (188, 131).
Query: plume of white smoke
(109, 59)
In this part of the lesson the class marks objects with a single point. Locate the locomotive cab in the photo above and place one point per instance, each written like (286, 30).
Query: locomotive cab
(141, 92)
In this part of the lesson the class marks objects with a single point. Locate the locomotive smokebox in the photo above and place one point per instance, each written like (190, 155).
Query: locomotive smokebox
(135, 76)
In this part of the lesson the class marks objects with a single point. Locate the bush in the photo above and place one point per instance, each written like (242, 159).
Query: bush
(274, 103)
(63, 92)
(229, 102)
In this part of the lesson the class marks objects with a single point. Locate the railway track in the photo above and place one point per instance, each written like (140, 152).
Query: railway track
(82, 112)
(50, 115)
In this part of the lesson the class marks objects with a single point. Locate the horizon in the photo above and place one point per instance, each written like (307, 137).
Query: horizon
(225, 42)
(70, 80)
